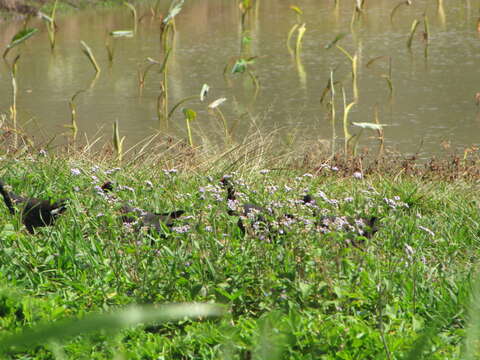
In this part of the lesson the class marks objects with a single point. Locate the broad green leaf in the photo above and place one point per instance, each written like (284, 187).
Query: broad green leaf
(189, 114)
(19, 38)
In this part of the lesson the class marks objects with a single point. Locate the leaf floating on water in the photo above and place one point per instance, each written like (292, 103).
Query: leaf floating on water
(204, 91)
(217, 103)
(122, 33)
(367, 125)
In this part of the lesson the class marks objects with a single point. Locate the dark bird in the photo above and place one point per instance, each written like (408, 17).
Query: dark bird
(151, 220)
(35, 212)
(252, 211)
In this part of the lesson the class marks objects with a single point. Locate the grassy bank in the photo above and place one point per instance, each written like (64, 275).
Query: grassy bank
(13, 8)
(296, 290)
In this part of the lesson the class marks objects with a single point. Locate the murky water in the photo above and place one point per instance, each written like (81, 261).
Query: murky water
(433, 100)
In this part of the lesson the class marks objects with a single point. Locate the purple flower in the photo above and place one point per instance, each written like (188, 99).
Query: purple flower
(75, 172)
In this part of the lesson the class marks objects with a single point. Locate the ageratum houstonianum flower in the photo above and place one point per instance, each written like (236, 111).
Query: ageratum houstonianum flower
(124, 187)
(181, 229)
(358, 175)
(232, 204)
(75, 172)
(111, 171)
(428, 231)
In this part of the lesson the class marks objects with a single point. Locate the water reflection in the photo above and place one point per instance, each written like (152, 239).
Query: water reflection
(433, 97)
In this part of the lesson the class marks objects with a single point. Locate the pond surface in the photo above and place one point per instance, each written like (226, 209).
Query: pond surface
(433, 100)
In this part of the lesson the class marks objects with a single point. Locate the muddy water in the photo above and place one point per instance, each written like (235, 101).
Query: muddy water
(432, 105)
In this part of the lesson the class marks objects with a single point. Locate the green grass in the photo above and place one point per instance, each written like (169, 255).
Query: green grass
(302, 295)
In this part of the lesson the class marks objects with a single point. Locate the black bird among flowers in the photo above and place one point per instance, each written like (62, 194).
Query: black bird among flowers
(151, 220)
(35, 212)
(255, 212)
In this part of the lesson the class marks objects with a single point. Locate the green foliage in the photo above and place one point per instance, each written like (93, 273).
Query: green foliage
(302, 294)
(19, 38)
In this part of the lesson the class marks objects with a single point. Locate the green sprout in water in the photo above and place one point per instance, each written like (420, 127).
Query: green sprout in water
(243, 65)
(89, 54)
(388, 75)
(73, 115)
(413, 29)
(110, 43)
(13, 107)
(405, 2)
(142, 74)
(190, 115)
(203, 94)
(371, 126)
(353, 60)
(168, 25)
(117, 141)
(214, 106)
(162, 103)
(134, 15)
(299, 23)
(346, 112)
(51, 25)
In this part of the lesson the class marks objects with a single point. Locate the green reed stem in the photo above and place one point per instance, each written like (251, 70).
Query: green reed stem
(89, 54)
(413, 29)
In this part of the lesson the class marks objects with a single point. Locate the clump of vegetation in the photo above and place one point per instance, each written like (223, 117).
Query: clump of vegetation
(292, 287)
